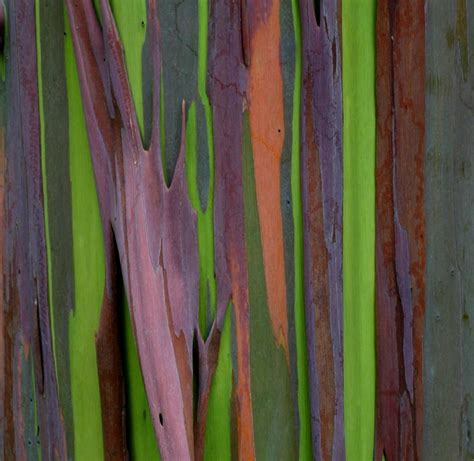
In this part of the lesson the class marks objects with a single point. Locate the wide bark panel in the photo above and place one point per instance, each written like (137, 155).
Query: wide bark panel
(449, 187)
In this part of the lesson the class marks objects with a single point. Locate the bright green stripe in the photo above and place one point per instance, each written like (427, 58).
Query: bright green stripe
(205, 218)
(44, 178)
(305, 451)
(89, 269)
(358, 23)
(191, 157)
(130, 17)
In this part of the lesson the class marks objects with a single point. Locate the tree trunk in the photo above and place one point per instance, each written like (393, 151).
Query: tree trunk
(231, 229)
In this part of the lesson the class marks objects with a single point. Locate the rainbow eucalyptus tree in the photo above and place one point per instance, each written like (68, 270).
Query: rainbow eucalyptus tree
(236, 229)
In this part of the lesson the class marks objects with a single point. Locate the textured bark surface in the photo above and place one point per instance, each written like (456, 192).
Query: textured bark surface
(400, 227)
(321, 183)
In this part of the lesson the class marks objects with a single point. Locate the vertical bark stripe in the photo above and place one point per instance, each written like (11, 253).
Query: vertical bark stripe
(321, 175)
(265, 93)
(226, 83)
(400, 227)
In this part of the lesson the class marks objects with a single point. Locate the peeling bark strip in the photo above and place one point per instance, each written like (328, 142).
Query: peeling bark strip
(321, 173)
(153, 226)
(27, 326)
(400, 246)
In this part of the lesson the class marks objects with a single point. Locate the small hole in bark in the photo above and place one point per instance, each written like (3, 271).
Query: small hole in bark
(317, 11)
(279, 131)
(161, 419)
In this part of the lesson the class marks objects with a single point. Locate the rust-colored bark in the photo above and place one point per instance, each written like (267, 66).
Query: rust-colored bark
(267, 132)
(400, 246)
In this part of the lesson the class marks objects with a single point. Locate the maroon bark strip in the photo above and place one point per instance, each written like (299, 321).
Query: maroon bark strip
(321, 176)
(109, 360)
(400, 246)
(227, 78)
(154, 228)
(27, 322)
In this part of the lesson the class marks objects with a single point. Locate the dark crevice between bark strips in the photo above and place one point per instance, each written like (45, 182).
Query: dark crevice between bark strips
(154, 228)
(317, 11)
